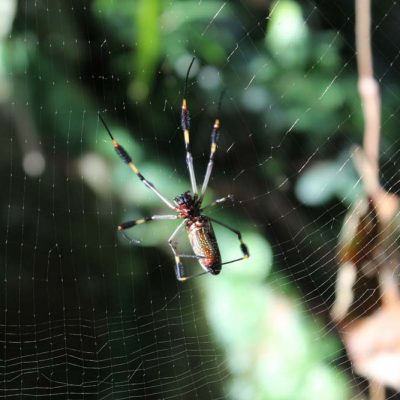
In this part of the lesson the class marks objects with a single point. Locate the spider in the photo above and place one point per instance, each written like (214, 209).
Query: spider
(188, 207)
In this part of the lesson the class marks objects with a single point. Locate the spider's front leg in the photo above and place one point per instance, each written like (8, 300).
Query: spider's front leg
(127, 159)
(214, 140)
(185, 123)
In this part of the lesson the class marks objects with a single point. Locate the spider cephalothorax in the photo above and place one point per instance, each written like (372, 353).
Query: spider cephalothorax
(188, 206)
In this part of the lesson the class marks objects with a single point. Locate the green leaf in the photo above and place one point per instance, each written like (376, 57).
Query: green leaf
(287, 34)
(148, 48)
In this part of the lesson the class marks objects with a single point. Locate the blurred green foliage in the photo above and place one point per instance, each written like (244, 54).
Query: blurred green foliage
(289, 118)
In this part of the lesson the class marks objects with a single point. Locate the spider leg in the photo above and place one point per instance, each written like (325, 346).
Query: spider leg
(218, 201)
(126, 158)
(185, 123)
(179, 270)
(214, 140)
(191, 256)
(243, 246)
(180, 274)
(130, 224)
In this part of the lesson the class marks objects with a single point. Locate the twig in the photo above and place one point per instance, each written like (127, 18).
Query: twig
(371, 105)
(367, 85)
(376, 390)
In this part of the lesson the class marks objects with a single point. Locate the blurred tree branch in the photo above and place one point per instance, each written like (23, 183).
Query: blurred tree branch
(367, 85)
(368, 165)
(367, 254)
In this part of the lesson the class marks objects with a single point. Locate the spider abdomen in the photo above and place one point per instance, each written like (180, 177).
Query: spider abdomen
(204, 244)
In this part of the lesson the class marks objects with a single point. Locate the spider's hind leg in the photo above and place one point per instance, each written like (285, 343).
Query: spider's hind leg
(179, 269)
(243, 247)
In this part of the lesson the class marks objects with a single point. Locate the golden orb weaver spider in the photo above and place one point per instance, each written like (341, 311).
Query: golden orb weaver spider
(188, 206)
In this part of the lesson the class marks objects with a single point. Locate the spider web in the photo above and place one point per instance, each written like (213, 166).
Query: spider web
(86, 315)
